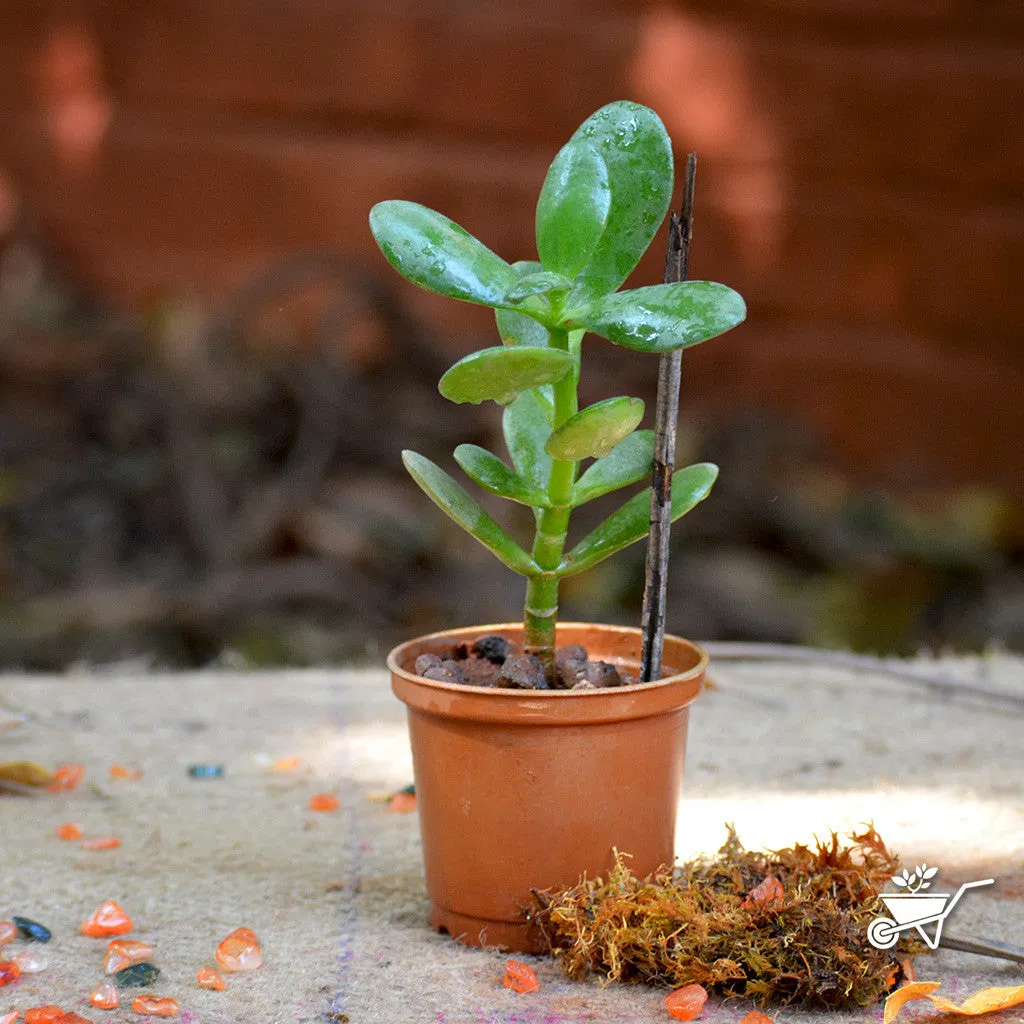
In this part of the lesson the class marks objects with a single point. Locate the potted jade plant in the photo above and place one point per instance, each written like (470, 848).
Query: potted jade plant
(536, 750)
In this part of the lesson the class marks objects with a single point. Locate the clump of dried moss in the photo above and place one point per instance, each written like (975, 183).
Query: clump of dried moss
(708, 923)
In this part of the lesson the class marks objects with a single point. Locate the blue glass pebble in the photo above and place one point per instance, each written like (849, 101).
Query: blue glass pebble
(136, 976)
(206, 771)
(31, 930)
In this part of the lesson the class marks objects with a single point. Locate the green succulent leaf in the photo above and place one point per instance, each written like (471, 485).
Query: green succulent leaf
(630, 461)
(573, 208)
(435, 253)
(456, 503)
(637, 152)
(500, 373)
(519, 329)
(593, 432)
(543, 284)
(632, 521)
(493, 475)
(526, 424)
(661, 317)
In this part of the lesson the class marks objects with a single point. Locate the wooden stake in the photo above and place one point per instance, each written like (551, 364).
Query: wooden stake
(666, 414)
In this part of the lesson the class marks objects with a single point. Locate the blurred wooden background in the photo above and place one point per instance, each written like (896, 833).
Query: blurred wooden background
(860, 180)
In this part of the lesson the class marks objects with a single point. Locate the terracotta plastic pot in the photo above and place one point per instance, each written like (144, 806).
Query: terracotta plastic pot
(521, 789)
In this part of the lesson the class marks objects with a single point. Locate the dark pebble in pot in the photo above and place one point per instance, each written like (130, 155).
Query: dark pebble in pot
(31, 930)
(603, 674)
(492, 647)
(425, 661)
(571, 671)
(446, 672)
(524, 671)
(571, 652)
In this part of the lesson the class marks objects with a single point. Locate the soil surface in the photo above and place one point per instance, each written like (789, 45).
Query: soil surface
(495, 661)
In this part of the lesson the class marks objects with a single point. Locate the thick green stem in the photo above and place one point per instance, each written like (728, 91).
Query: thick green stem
(541, 609)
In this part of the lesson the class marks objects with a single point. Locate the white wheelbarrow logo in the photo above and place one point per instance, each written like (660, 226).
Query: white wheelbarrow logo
(915, 908)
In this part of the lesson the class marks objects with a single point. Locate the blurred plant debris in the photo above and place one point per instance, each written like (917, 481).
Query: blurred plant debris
(783, 927)
(195, 484)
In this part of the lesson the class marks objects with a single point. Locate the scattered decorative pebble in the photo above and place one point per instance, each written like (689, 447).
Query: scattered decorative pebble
(240, 951)
(109, 919)
(206, 771)
(30, 962)
(687, 1002)
(209, 978)
(66, 777)
(105, 996)
(137, 976)
(49, 1014)
(402, 803)
(8, 931)
(100, 843)
(70, 1017)
(120, 771)
(69, 830)
(287, 764)
(9, 973)
(519, 977)
(122, 953)
(155, 1006)
(323, 802)
(9, 1018)
(32, 930)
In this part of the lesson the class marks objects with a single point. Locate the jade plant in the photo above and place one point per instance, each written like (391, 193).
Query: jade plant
(604, 197)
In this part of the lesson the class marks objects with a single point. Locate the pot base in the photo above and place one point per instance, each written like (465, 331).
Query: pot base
(513, 936)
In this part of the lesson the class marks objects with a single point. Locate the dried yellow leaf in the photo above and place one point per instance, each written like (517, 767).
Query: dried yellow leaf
(986, 1000)
(25, 773)
(902, 996)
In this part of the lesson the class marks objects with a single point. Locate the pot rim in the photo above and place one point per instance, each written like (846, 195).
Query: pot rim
(693, 674)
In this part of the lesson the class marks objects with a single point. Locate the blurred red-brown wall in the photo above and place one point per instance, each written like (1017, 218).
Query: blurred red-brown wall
(861, 173)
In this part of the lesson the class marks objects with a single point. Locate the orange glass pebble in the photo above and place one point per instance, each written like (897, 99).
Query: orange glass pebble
(120, 771)
(287, 764)
(122, 953)
(686, 1002)
(8, 931)
(240, 951)
(154, 1006)
(209, 978)
(105, 996)
(70, 1017)
(9, 1018)
(767, 892)
(101, 843)
(66, 777)
(9, 973)
(69, 830)
(756, 1017)
(402, 803)
(109, 919)
(519, 977)
(323, 802)
(49, 1014)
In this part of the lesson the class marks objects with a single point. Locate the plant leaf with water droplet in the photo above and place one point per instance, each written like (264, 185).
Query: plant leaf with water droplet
(456, 503)
(493, 475)
(527, 427)
(632, 521)
(500, 373)
(637, 153)
(628, 462)
(543, 284)
(573, 208)
(430, 250)
(593, 432)
(661, 317)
